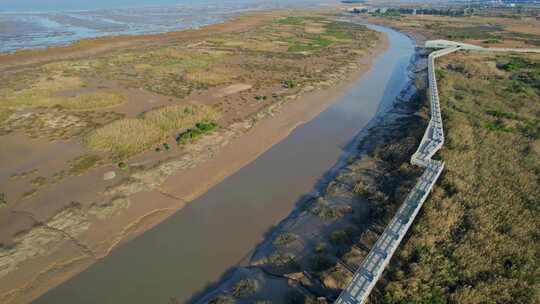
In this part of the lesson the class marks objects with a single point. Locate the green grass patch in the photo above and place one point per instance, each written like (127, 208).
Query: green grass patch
(514, 63)
(497, 125)
(290, 84)
(440, 74)
(341, 30)
(502, 114)
(481, 32)
(292, 20)
(199, 130)
(312, 44)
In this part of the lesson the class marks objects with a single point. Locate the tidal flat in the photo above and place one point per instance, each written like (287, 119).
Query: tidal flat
(107, 137)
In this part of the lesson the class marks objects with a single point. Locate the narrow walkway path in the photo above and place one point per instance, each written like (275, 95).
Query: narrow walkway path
(378, 258)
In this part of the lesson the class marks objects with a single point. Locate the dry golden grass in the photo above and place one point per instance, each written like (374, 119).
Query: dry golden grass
(476, 240)
(90, 101)
(43, 93)
(127, 137)
(124, 138)
(179, 117)
(4, 114)
(85, 101)
(208, 77)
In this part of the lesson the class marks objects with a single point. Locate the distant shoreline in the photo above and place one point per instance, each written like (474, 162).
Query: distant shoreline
(238, 152)
(41, 29)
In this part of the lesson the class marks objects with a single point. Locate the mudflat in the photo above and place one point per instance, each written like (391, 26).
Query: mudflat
(105, 138)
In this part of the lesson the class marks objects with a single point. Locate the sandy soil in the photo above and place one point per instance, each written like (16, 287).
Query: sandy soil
(357, 201)
(51, 241)
(93, 47)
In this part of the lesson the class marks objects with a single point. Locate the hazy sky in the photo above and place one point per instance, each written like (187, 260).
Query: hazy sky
(34, 5)
(54, 5)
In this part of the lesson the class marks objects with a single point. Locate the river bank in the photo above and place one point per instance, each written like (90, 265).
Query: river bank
(312, 254)
(83, 233)
(196, 245)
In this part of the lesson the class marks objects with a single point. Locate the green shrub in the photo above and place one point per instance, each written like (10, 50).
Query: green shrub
(289, 84)
(3, 199)
(123, 166)
(200, 129)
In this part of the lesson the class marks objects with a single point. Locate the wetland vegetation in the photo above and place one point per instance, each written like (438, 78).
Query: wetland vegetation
(476, 239)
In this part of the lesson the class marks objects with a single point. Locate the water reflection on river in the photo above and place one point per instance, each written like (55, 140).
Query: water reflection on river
(196, 245)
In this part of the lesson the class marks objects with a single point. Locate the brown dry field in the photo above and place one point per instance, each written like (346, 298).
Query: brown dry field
(70, 196)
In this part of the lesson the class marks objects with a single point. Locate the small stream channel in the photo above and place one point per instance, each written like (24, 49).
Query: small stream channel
(194, 247)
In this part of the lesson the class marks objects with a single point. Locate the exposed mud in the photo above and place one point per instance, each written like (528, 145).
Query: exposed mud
(44, 244)
(316, 250)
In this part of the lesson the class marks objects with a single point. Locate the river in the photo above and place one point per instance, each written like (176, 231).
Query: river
(194, 247)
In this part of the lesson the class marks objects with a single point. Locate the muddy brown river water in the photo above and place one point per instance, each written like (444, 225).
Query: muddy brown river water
(194, 247)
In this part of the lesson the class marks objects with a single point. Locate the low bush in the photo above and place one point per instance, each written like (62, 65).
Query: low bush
(324, 211)
(222, 299)
(245, 288)
(289, 84)
(284, 239)
(340, 238)
(200, 129)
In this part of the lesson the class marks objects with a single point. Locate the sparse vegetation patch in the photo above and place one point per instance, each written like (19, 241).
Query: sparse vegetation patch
(177, 117)
(125, 137)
